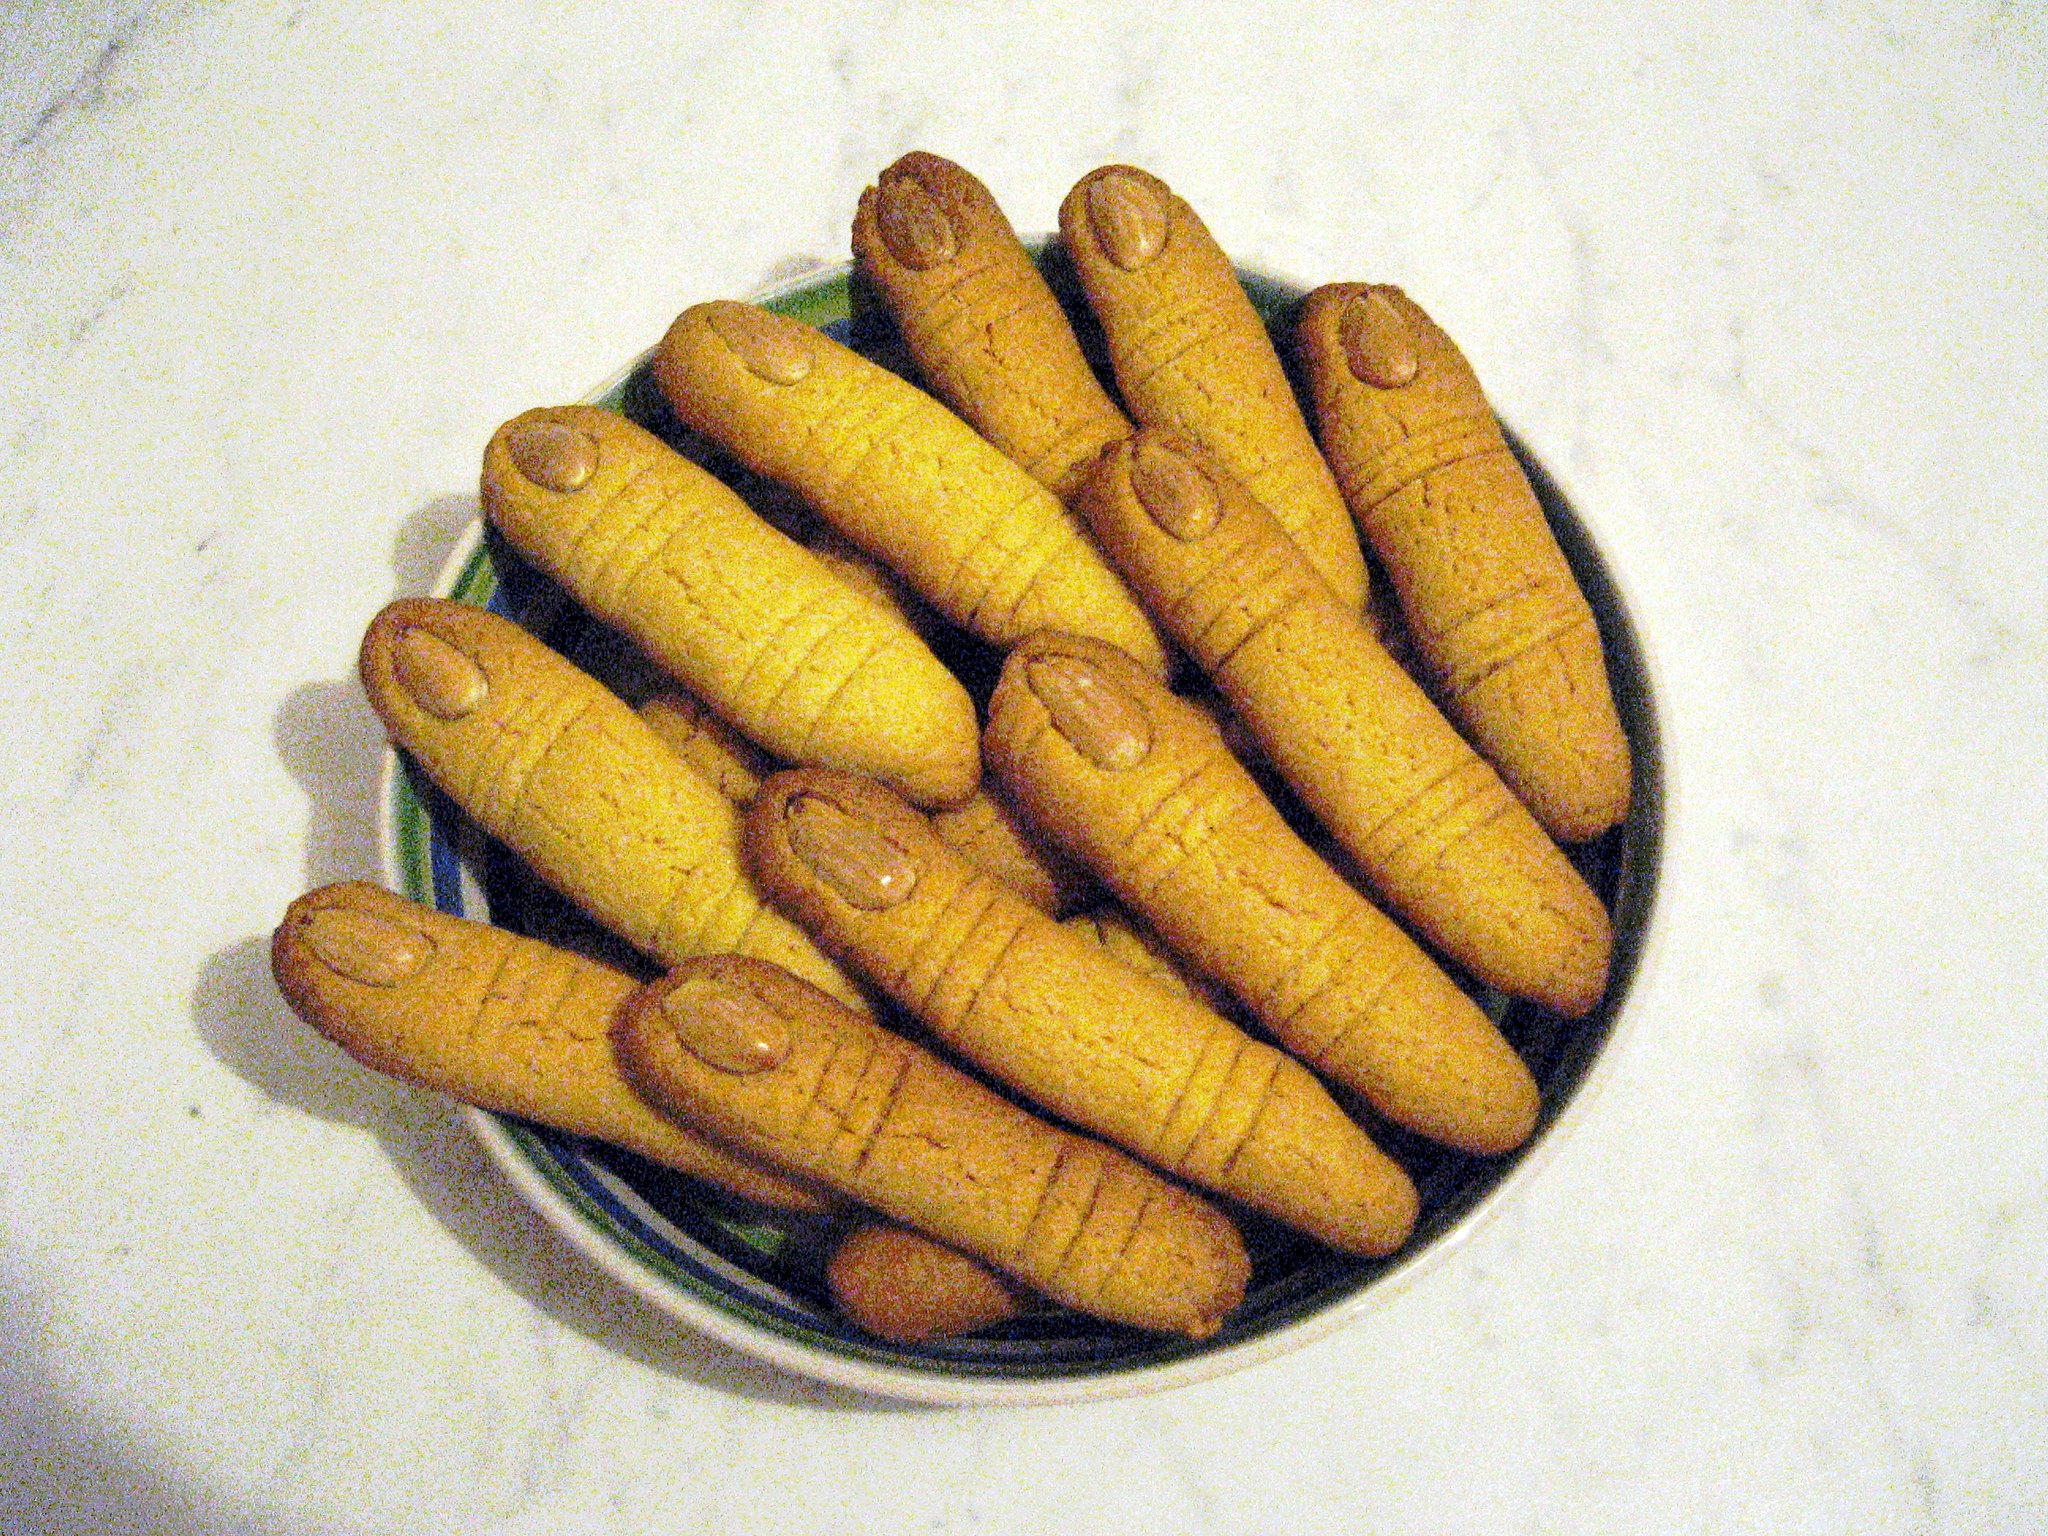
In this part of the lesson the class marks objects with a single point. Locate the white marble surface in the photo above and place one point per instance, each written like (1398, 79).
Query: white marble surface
(1767, 286)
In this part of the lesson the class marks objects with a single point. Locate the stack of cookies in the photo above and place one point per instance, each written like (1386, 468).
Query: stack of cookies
(1035, 991)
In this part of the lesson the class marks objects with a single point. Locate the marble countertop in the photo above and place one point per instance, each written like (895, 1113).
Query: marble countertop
(1765, 287)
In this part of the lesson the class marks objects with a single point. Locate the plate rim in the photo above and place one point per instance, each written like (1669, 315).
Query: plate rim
(936, 1386)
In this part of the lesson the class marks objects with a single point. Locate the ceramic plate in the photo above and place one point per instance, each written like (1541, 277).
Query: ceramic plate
(754, 1277)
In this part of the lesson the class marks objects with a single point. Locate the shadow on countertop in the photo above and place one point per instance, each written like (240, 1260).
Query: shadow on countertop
(68, 1468)
(250, 1029)
(332, 743)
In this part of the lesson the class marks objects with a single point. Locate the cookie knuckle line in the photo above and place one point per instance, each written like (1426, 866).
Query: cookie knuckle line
(1104, 1170)
(1156, 368)
(509, 774)
(1495, 605)
(772, 647)
(1250, 572)
(1027, 572)
(878, 1129)
(938, 948)
(1381, 477)
(1309, 949)
(816, 1140)
(1258, 627)
(1458, 763)
(687, 915)
(626, 552)
(1135, 344)
(1114, 1264)
(977, 988)
(1237, 1043)
(1465, 835)
(854, 674)
(1261, 1101)
(795, 668)
(1568, 622)
(1154, 838)
(1329, 1055)
(1419, 820)
(1041, 1201)
(480, 1006)
(949, 294)
(882, 428)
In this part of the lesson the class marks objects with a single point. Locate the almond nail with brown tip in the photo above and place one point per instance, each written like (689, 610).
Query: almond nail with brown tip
(1185, 837)
(1432, 826)
(1053, 1017)
(750, 1055)
(1508, 639)
(496, 1020)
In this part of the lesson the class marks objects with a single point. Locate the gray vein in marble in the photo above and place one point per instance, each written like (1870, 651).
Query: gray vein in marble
(88, 90)
(1829, 494)
(566, 1406)
(312, 1402)
(1591, 351)
(82, 328)
(1802, 1124)
(117, 703)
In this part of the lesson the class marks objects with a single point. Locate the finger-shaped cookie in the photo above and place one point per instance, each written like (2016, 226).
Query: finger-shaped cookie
(896, 472)
(989, 834)
(733, 765)
(1048, 1013)
(901, 1286)
(1191, 354)
(1117, 935)
(1430, 824)
(766, 1063)
(554, 765)
(745, 618)
(985, 830)
(1508, 638)
(499, 1021)
(872, 580)
(1139, 785)
(981, 320)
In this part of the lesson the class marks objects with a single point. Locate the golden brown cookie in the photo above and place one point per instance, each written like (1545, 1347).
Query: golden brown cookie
(872, 580)
(1191, 354)
(748, 620)
(771, 1065)
(896, 472)
(548, 761)
(989, 834)
(981, 321)
(493, 1019)
(985, 830)
(1132, 945)
(1430, 824)
(901, 1286)
(1139, 785)
(1048, 1013)
(1509, 640)
(733, 765)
